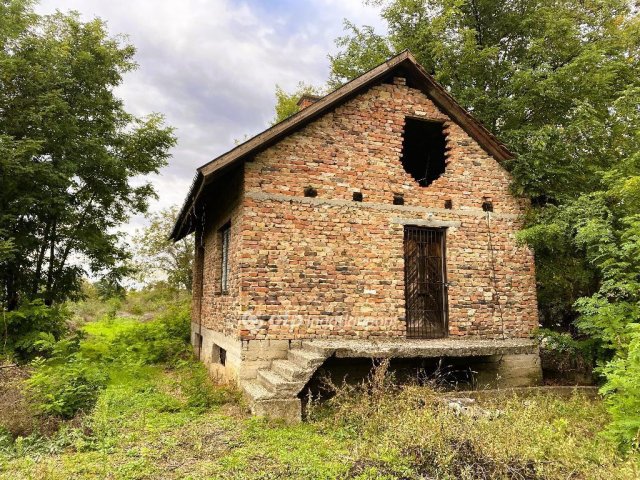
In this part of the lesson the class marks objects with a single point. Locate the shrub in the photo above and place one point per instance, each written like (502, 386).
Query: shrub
(562, 353)
(622, 391)
(164, 340)
(71, 378)
(30, 324)
(64, 386)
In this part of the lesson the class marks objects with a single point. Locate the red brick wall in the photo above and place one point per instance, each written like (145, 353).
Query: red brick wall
(332, 267)
(220, 311)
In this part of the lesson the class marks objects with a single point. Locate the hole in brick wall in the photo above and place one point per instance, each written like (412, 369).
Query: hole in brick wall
(310, 192)
(423, 150)
(448, 204)
(487, 206)
(398, 199)
(357, 196)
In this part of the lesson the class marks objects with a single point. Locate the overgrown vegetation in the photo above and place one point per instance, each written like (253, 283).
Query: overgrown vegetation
(151, 421)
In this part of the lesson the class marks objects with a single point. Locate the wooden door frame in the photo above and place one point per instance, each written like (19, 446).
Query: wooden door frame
(444, 279)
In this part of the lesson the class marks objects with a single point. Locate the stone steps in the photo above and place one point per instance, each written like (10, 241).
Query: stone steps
(289, 370)
(282, 387)
(274, 392)
(306, 358)
(256, 392)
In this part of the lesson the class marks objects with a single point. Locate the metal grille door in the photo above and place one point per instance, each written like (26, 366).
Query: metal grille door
(425, 282)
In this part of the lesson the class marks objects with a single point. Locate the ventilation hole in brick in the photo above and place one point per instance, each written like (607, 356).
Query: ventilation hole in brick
(398, 199)
(423, 150)
(357, 196)
(448, 204)
(310, 192)
(487, 206)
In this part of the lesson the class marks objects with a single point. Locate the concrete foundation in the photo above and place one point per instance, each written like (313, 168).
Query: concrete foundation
(274, 373)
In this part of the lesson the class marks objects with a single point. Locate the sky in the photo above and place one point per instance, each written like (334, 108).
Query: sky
(211, 67)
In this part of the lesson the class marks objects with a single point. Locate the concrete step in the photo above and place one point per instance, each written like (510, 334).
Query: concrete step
(256, 392)
(289, 370)
(306, 358)
(281, 387)
(317, 347)
(287, 409)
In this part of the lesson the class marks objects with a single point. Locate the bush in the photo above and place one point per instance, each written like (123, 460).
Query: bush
(566, 356)
(66, 383)
(164, 340)
(622, 391)
(31, 324)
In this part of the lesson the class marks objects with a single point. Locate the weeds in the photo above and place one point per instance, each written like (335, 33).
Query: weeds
(412, 433)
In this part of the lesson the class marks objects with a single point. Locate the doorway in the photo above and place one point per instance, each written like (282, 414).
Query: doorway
(425, 282)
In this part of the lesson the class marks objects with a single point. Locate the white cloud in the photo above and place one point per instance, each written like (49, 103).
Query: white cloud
(211, 66)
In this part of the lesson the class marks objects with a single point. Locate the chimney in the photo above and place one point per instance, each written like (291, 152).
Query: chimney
(306, 100)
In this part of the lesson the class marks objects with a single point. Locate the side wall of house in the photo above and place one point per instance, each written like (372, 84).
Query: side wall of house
(332, 267)
(215, 313)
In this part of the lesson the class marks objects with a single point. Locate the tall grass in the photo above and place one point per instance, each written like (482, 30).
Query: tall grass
(414, 433)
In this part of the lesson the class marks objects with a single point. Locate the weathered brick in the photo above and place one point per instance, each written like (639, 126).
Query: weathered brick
(329, 266)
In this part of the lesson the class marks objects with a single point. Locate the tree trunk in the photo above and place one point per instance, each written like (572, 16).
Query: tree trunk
(43, 249)
(48, 298)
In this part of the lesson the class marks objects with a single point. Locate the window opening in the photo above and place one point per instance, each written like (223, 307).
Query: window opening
(423, 150)
(225, 234)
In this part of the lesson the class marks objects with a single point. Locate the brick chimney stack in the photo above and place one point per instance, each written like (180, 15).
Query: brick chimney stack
(306, 100)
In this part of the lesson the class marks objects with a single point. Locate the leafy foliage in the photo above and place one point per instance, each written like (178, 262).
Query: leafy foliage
(287, 103)
(158, 258)
(69, 380)
(32, 329)
(623, 393)
(63, 129)
(65, 385)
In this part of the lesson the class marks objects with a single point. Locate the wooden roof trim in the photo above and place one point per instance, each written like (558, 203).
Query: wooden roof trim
(427, 83)
(281, 129)
(462, 117)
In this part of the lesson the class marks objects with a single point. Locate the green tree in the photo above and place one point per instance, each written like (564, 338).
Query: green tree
(287, 103)
(158, 258)
(68, 153)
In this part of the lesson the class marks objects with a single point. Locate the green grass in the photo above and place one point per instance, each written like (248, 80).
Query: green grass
(155, 421)
(144, 427)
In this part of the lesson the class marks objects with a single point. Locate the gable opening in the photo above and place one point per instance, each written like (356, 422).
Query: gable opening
(423, 150)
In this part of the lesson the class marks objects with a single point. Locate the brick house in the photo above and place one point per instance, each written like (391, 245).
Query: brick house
(375, 222)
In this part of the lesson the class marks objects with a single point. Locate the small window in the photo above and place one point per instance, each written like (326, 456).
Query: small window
(223, 356)
(218, 354)
(423, 150)
(448, 204)
(487, 206)
(398, 199)
(357, 196)
(225, 236)
(310, 192)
